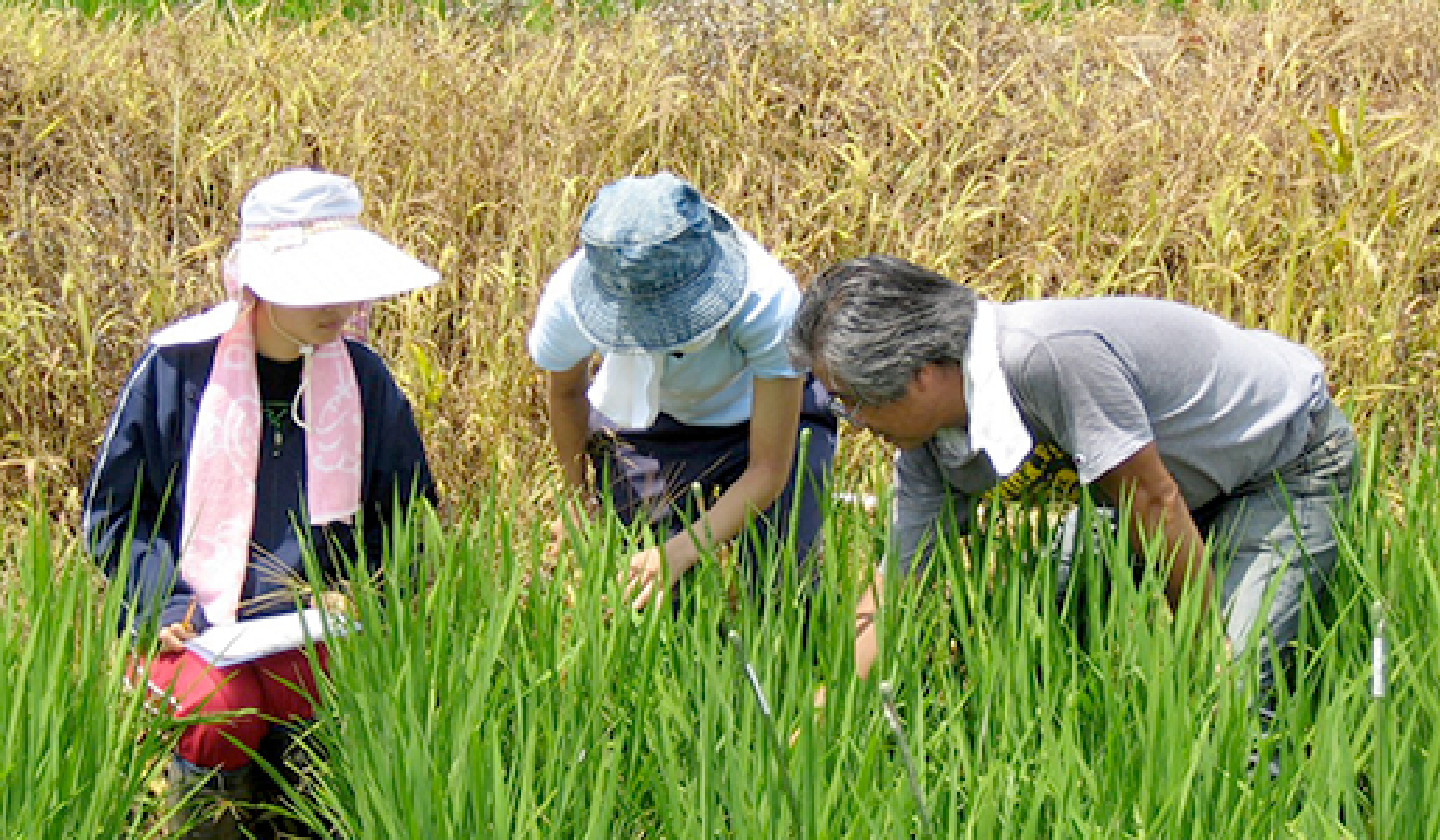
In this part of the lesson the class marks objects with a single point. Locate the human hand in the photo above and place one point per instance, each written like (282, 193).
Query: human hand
(174, 636)
(575, 515)
(559, 538)
(821, 696)
(645, 581)
(334, 603)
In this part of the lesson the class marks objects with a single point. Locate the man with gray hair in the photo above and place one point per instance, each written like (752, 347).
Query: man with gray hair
(1191, 425)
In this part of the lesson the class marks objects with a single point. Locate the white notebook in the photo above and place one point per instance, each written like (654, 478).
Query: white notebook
(256, 638)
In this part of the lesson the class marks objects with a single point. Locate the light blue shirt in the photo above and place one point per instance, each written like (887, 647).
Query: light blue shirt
(712, 386)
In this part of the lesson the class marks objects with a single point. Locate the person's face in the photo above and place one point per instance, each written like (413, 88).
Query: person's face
(280, 330)
(930, 403)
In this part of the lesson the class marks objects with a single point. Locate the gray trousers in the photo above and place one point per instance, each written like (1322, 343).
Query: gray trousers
(1272, 540)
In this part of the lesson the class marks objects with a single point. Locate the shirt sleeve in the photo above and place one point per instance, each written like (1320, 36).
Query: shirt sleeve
(928, 510)
(555, 341)
(1080, 390)
(131, 516)
(762, 326)
(398, 472)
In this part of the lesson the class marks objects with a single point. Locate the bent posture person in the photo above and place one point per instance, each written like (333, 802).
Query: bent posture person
(243, 436)
(690, 315)
(1190, 423)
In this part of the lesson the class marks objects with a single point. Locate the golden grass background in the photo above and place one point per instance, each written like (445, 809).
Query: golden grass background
(1281, 167)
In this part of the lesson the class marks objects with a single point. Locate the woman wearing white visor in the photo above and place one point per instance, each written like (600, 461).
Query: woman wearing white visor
(243, 436)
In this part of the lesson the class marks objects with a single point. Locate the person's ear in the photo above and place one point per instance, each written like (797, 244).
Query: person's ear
(927, 377)
(943, 380)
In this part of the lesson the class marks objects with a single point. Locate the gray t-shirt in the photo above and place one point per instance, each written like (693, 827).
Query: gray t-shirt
(1097, 379)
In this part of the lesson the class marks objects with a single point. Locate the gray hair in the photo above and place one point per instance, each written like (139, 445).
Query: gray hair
(872, 323)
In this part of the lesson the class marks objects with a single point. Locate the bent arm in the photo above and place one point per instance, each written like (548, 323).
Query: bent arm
(398, 470)
(569, 408)
(928, 512)
(774, 426)
(1158, 515)
(131, 519)
(867, 641)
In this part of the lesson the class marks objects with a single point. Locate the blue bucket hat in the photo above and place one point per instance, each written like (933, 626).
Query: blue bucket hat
(660, 267)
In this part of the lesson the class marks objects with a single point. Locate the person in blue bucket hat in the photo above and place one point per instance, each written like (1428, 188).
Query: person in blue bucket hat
(688, 316)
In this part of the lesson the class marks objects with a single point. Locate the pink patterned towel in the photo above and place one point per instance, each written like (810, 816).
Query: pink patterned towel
(225, 452)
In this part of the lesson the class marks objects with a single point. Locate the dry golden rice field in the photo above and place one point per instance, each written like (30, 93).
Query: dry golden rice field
(1281, 166)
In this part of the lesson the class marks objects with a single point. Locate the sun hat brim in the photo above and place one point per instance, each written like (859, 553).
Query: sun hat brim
(347, 265)
(636, 323)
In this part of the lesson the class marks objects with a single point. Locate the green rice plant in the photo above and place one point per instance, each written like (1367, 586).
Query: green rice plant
(81, 747)
(441, 704)
(482, 697)
(1276, 165)
(535, 707)
(492, 689)
(1402, 761)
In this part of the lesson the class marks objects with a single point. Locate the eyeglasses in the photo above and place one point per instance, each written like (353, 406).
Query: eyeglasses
(845, 406)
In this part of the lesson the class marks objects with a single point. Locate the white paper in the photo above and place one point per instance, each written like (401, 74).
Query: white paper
(256, 638)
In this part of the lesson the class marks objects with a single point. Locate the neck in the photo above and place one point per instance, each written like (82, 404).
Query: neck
(949, 380)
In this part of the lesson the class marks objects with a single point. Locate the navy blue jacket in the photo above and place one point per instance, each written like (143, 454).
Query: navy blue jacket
(141, 469)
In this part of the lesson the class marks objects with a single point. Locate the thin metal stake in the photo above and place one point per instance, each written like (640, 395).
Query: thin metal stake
(1379, 687)
(776, 746)
(897, 726)
(1379, 682)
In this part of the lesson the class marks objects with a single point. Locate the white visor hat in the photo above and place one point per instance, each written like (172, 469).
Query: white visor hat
(301, 244)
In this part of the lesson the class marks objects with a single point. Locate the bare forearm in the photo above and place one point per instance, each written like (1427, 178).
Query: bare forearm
(1159, 517)
(1188, 569)
(1181, 549)
(569, 430)
(754, 491)
(867, 640)
(774, 424)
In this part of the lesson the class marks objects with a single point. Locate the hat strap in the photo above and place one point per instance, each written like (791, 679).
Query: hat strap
(306, 350)
(293, 233)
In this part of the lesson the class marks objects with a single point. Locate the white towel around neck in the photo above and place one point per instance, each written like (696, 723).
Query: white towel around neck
(626, 389)
(995, 426)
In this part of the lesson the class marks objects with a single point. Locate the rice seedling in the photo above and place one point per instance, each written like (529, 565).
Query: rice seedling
(81, 747)
(480, 699)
